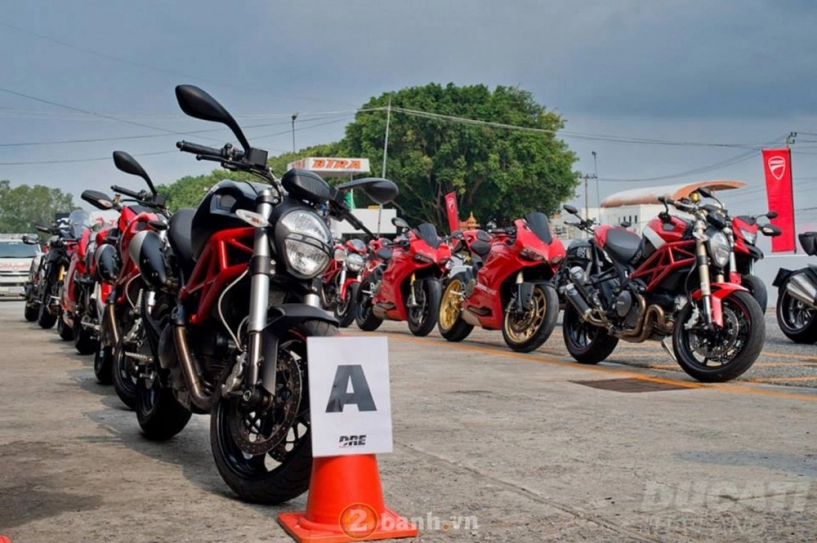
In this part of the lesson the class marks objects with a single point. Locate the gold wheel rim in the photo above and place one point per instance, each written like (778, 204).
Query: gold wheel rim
(521, 331)
(451, 305)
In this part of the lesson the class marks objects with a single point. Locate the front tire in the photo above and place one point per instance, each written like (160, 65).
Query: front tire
(158, 413)
(364, 315)
(31, 312)
(124, 382)
(66, 332)
(103, 361)
(757, 288)
(423, 318)
(282, 473)
(45, 318)
(345, 309)
(450, 323)
(797, 321)
(586, 343)
(527, 332)
(84, 340)
(733, 348)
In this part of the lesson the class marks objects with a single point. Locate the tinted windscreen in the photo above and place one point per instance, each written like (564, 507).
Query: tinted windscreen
(428, 233)
(16, 249)
(538, 224)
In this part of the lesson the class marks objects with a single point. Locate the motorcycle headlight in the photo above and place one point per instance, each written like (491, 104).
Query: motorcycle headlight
(354, 262)
(750, 237)
(719, 249)
(306, 243)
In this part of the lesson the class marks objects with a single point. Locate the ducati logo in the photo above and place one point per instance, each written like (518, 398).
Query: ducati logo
(451, 204)
(777, 167)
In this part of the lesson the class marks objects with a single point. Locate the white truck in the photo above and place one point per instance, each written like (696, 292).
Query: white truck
(15, 263)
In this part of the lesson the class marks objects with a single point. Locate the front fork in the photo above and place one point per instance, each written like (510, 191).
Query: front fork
(702, 261)
(260, 272)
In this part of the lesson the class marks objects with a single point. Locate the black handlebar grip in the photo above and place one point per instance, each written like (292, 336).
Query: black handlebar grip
(126, 192)
(196, 149)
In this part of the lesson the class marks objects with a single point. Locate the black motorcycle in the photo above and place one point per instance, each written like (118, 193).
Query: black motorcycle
(797, 296)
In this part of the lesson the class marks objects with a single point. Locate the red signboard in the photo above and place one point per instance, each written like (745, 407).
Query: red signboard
(777, 166)
(452, 212)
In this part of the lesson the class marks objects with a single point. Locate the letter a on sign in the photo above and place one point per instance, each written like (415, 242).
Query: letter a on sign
(349, 395)
(350, 387)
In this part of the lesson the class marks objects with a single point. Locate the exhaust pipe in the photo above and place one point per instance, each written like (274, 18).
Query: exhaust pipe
(110, 322)
(577, 301)
(191, 377)
(801, 289)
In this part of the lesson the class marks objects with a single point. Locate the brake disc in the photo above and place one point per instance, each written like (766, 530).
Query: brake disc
(258, 432)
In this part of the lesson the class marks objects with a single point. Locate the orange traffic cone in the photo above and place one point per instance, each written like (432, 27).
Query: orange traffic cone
(345, 503)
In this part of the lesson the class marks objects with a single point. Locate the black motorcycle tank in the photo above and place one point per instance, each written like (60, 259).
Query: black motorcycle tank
(216, 211)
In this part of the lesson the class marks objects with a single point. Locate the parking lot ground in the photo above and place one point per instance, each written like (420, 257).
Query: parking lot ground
(489, 446)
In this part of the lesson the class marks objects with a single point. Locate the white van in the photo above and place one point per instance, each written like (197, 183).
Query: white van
(15, 262)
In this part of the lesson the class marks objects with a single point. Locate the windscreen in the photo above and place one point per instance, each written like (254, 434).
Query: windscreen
(16, 249)
(538, 224)
(428, 233)
(78, 221)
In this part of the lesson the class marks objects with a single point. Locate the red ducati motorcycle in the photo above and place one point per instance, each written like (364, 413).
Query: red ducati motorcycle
(507, 287)
(406, 285)
(745, 229)
(342, 279)
(236, 286)
(672, 282)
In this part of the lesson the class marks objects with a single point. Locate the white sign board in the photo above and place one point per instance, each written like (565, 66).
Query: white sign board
(349, 395)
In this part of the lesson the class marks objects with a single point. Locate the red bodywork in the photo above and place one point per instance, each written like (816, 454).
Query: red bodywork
(68, 299)
(419, 256)
(335, 267)
(502, 264)
(223, 259)
(130, 223)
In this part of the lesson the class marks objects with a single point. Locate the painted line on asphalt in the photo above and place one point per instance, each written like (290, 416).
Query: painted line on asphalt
(723, 387)
(782, 379)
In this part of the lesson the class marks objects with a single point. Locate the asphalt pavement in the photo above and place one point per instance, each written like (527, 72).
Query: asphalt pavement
(489, 445)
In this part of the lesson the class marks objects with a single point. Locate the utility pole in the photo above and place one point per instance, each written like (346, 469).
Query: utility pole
(294, 116)
(790, 139)
(596, 174)
(385, 156)
(586, 178)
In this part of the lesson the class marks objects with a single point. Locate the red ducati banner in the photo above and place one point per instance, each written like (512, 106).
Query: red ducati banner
(452, 212)
(777, 166)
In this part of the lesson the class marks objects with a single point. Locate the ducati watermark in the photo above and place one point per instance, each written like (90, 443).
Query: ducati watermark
(360, 520)
(723, 496)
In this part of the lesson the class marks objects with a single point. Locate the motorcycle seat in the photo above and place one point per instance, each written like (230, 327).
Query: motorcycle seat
(622, 245)
(179, 234)
(481, 247)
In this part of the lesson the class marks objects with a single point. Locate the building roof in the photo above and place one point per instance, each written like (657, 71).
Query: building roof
(649, 195)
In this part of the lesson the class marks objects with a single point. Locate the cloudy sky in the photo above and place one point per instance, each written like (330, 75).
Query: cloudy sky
(707, 83)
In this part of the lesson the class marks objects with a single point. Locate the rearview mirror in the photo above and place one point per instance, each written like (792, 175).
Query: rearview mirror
(30, 239)
(571, 209)
(770, 230)
(126, 163)
(705, 192)
(97, 199)
(626, 224)
(43, 229)
(381, 191)
(200, 105)
(399, 223)
(772, 214)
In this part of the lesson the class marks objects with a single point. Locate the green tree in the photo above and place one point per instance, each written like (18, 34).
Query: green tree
(497, 173)
(24, 206)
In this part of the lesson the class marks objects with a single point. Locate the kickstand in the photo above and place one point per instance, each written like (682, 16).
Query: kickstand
(666, 343)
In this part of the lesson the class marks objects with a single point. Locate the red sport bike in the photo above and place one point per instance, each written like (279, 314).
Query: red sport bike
(342, 279)
(673, 281)
(406, 285)
(508, 285)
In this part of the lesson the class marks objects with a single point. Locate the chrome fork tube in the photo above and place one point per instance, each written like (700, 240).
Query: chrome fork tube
(703, 270)
(260, 269)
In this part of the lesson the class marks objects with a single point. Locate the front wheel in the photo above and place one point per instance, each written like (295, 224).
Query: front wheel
(265, 456)
(422, 317)
(84, 339)
(103, 360)
(796, 320)
(586, 343)
(525, 331)
(722, 354)
(66, 332)
(158, 413)
(124, 372)
(450, 323)
(345, 308)
(757, 288)
(31, 312)
(45, 318)
(364, 314)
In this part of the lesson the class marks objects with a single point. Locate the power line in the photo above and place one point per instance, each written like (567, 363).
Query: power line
(161, 70)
